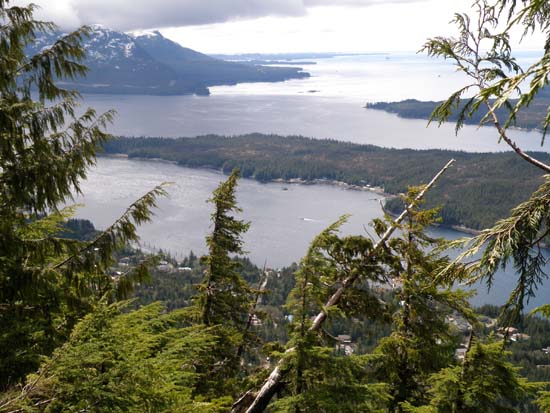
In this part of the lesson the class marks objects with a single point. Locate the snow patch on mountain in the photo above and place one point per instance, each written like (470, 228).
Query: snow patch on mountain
(147, 62)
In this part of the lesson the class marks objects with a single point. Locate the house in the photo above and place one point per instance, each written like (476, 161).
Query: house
(345, 345)
(460, 353)
(519, 337)
(124, 262)
(508, 331)
(165, 266)
(255, 320)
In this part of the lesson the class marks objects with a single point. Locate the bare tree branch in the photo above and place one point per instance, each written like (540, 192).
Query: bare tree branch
(512, 144)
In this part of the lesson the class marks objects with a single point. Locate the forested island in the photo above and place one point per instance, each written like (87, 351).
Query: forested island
(480, 189)
(531, 117)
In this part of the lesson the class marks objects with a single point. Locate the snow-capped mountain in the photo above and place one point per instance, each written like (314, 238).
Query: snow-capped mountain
(149, 63)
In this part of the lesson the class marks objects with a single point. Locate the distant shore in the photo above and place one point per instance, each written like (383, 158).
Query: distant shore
(472, 195)
(376, 190)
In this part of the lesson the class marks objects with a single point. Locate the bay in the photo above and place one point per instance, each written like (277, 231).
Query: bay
(284, 218)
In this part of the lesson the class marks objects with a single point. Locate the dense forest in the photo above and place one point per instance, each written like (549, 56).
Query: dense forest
(176, 288)
(363, 323)
(480, 189)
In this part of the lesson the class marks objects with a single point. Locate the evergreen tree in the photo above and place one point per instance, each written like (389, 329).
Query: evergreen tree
(318, 377)
(485, 382)
(543, 402)
(225, 297)
(356, 259)
(48, 283)
(483, 52)
(114, 361)
(422, 341)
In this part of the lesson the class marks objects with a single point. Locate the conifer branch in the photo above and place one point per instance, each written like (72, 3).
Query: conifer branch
(123, 228)
(252, 312)
(274, 381)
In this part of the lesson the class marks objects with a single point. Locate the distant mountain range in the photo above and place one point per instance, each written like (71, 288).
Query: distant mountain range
(149, 63)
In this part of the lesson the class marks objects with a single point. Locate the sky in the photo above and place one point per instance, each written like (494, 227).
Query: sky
(272, 26)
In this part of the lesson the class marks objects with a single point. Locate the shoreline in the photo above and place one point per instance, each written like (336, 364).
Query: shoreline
(294, 181)
(469, 123)
(298, 181)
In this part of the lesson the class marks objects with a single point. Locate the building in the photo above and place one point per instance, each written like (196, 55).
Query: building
(344, 345)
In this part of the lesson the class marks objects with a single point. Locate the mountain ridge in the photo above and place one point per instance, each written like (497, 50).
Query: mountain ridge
(149, 63)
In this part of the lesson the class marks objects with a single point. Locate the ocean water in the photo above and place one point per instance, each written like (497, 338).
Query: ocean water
(330, 104)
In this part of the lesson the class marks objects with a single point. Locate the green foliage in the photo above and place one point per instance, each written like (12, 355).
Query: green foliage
(467, 52)
(496, 76)
(48, 282)
(518, 239)
(224, 297)
(489, 72)
(543, 402)
(142, 361)
(79, 229)
(543, 310)
(486, 382)
(421, 341)
(318, 378)
(332, 384)
(530, 118)
(200, 357)
(480, 190)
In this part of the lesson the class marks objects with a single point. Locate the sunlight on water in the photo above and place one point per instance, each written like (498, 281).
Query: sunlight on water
(329, 105)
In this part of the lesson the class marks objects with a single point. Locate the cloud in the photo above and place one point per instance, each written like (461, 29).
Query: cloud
(364, 3)
(146, 14)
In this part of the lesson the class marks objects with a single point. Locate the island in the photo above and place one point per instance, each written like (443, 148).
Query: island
(530, 117)
(480, 189)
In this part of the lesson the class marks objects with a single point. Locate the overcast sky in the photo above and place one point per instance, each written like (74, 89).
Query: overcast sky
(271, 26)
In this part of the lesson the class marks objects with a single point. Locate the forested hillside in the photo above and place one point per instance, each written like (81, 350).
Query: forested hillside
(478, 190)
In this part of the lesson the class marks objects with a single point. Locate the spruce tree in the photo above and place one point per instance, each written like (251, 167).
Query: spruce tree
(485, 382)
(119, 361)
(318, 377)
(422, 341)
(356, 259)
(224, 298)
(47, 283)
